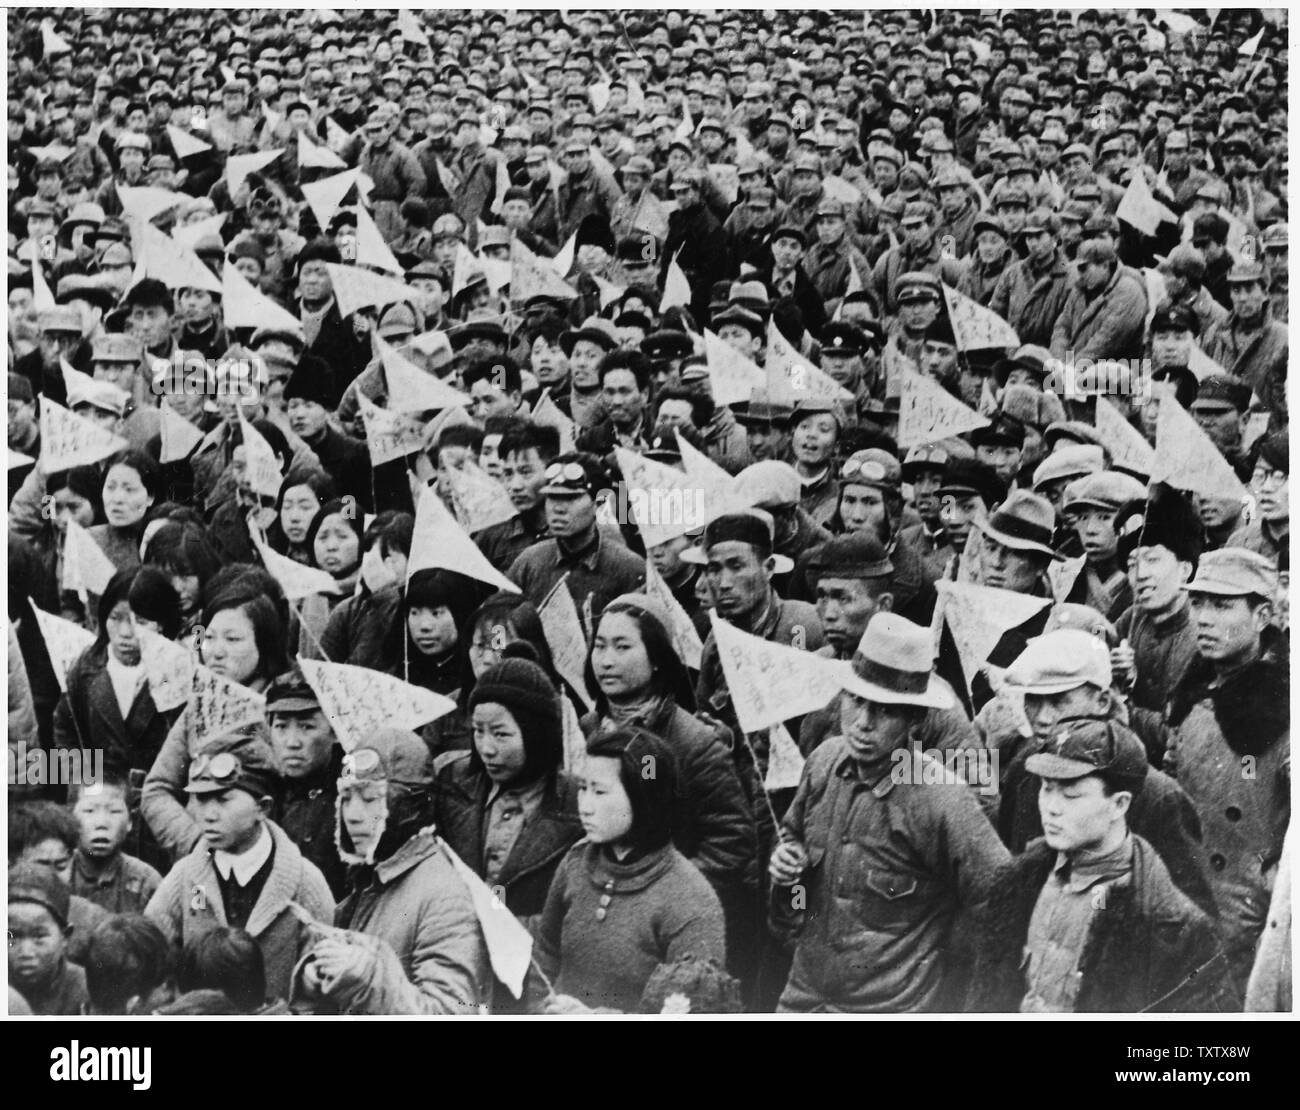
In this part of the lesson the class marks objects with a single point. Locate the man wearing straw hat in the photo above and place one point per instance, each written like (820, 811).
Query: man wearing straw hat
(876, 859)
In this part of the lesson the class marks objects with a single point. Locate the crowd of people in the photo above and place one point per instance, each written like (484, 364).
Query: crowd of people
(339, 344)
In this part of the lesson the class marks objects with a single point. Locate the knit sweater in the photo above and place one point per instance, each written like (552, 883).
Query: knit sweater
(660, 909)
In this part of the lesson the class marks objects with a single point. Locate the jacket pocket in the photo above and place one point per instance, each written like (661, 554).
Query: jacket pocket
(892, 902)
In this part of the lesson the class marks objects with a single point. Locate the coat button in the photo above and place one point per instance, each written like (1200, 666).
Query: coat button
(1218, 861)
(1232, 813)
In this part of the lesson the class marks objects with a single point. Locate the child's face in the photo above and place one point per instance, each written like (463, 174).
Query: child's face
(36, 944)
(104, 820)
(52, 854)
(228, 820)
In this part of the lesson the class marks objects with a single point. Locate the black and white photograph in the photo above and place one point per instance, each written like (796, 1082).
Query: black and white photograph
(581, 513)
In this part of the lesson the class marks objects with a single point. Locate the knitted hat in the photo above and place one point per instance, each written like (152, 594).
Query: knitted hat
(30, 883)
(526, 691)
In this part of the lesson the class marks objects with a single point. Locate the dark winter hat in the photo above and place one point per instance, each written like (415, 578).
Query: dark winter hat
(1167, 521)
(30, 883)
(313, 380)
(526, 691)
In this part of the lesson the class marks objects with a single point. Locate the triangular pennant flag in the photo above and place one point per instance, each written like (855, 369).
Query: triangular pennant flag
(1187, 459)
(478, 499)
(547, 412)
(744, 148)
(599, 92)
(464, 270)
(54, 152)
(575, 743)
(1062, 574)
(609, 292)
(52, 42)
(927, 412)
(1157, 292)
(239, 166)
(1177, 22)
(976, 327)
(1247, 49)
(501, 186)
(635, 94)
(677, 290)
(184, 144)
(509, 944)
(358, 701)
(978, 616)
(1202, 365)
(64, 641)
(355, 288)
(732, 377)
(175, 265)
(770, 682)
(218, 706)
(273, 118)
(261, 466)
(312, 155)
(42, 296)
(651, 215)
(243, 306)
(784, 761)
(389, 435)
(791, 378)
(179, 436)
(686, 640)
(439, 542)
(323, 197)
(371, 248)
(168, 669)
(69, 440)
(85, 566)
(717, 487)
(566, 639)
(1127, 447)
(447, 177)
(336, 137)
(664, 501)
(141, 203)
(530, 276)
(838, 189)
(562, 263)
(411, 389)
(188, 235)
(17, 459)
(296, 580)
(409, 28)
(1139, 208)
(686, 128)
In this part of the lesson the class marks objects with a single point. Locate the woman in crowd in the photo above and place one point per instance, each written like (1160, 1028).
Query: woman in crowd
(333, 542)
(815, 433)
(304, 491)
(358, 625)
(414, 943)
(243, 642)
(624, 900)
(130, 488)
(183, 553)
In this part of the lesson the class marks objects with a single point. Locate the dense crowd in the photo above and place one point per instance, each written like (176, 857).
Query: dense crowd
(562, 512)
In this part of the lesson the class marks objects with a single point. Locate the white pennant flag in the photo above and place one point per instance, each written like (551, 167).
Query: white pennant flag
(1139, 208)
(69, 440)
(978, 617)
(686, 640)
(239, 166)
(261, 466)
(609, 292)
(371, 248)
(141, 203)
(42, 296)
(575, 743)
(168, 669)
(17, 459)
(770, 683)
(296, 580)
(79, 387)
(411, 389)
(1062, 574)
(323, 197)
(531, 276)
(665, 502)
(1127, 447)
(312, 155)
(635, 95)
(464, 270)
(356, 288)
(438, 542)
(686, 128)
(1247, 49)
(975, 327)
(242, 306)
(389, 435)
(188, 235)
(927, 412)
(179, 436)
(744, 148)
(51, 41)
(218, 706)
(651, 215)
(677, 290)
(336, 138)
(184, 144)
(64, 641)
(784, 761)
(172, 263)
(716, 485)
(566, 639)
(1202, 365)
(479, 500)
(1187, 459)
(547, 412)
(509, 944)
(358, 701)
(409, 28)
(791, 378)
(732, 377)
(562, 263)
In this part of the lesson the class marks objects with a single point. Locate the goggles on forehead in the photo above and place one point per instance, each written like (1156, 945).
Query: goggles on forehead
(567, 472)
(222, 767)
(869, 470)
(362, 763)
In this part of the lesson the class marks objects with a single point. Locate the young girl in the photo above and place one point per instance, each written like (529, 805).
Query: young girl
(623, 900)
(304, 491)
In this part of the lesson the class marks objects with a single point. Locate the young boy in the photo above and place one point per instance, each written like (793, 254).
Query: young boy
(38, 943)
(128, 967)
(101, 872)
(244, 871)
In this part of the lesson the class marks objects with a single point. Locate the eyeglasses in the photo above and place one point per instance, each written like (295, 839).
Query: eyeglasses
(566, 472)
